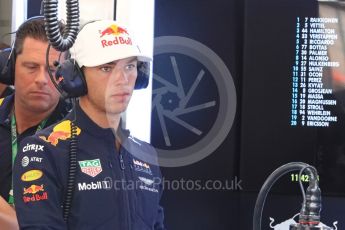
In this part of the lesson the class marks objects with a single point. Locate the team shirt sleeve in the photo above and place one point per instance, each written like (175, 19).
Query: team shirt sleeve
(37, 190)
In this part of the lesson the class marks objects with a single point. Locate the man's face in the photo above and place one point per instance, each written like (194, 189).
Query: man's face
(110, 86)
(34, 90)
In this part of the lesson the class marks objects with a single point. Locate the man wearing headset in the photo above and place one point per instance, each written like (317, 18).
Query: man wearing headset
(35, 102)
(117, 181)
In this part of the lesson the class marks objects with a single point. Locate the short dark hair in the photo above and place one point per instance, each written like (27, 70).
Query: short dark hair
(33, 28)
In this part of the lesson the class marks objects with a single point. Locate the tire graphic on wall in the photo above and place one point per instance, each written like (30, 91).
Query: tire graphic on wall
(194, 101)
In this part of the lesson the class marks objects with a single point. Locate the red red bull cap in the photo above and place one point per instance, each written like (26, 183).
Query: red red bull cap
(104, 41)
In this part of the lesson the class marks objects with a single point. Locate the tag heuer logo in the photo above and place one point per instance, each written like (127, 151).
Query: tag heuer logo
(91, 167)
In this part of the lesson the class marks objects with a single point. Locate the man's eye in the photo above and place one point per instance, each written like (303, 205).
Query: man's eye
(106, 69)
(30, 67)
(131, 66)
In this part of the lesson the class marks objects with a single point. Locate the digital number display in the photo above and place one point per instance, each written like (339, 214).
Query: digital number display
(311, 98)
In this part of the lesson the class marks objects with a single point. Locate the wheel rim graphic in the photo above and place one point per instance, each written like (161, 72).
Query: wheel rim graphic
(227, 101)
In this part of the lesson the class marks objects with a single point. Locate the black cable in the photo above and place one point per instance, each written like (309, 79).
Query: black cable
(115, 5)
(63, 43)
(72, 151)
(50, 72)
(72, 167)
(58, 41)
(294, 166)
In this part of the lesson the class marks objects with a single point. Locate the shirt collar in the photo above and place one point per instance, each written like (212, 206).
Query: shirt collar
(86, 123)
(6, 107)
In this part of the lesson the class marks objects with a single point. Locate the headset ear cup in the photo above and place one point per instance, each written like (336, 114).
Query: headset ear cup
(7, 65)
(70, 79)
(143, 75)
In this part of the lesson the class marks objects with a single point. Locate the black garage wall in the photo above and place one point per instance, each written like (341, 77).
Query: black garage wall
(256, 40)
(34, 8)
(218, 25)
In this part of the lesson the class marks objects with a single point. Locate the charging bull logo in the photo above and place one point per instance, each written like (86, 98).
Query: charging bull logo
(324, 226)
(120, 36)
(33, 189)
(61, 131)
(141, 167)
(34, 193)
(113, 30)
(285, 225)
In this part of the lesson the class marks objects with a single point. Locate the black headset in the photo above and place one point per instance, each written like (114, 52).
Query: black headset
(7, 63)
(71, 80)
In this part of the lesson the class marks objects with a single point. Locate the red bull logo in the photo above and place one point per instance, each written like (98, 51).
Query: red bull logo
(141, 167)
(292, 224)
(31, 194)
(113, 30)
(61, 131)
(33, 189)
(35, 197)
(136, 162)
(116, 32)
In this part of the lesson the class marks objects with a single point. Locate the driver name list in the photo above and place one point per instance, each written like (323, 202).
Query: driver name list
(310, 99)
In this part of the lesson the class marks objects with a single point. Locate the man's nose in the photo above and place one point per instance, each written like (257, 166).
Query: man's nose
(42, 76)
(122, 77)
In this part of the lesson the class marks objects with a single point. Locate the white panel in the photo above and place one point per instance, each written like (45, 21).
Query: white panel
(19, 14)
(90, 10)
(139, 15)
